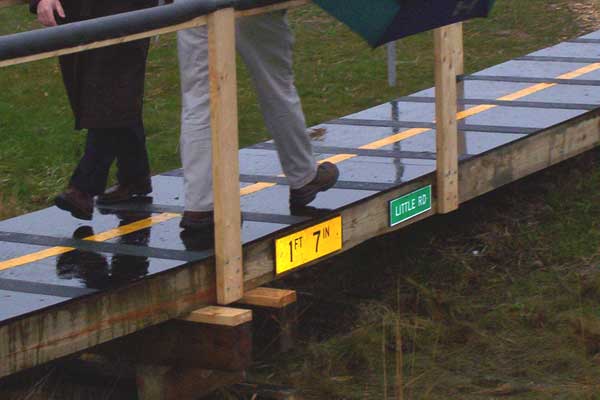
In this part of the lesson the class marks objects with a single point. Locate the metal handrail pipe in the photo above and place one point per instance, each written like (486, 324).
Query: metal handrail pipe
(80, 33)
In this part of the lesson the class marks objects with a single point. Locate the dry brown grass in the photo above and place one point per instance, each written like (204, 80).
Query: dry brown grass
(587, 13)
(9, 207)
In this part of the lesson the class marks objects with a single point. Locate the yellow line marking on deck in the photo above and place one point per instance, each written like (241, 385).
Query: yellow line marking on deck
(398, 137)
(581, 71)
(133, 227)
(101, 237)
(29, 258)
(338, 158)
(258, 186)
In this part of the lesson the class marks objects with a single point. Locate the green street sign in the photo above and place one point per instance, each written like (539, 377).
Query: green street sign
(410, 205)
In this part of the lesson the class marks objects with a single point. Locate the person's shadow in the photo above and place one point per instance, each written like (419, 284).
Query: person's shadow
(198, 240)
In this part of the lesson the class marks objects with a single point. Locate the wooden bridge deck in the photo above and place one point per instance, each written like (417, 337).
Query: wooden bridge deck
(67, 285)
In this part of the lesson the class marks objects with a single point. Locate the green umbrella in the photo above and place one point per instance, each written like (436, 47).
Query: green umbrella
(382, 21)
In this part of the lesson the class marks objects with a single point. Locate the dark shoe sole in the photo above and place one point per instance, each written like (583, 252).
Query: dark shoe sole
(101, 199)
(65, 205)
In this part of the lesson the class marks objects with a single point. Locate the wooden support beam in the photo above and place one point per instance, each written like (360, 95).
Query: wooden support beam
(224, 316)
(225, 161)
(459, 59)
(459, 48)
(275, 318)
(460, 87)
(446, 55)
(274, 329)
(185, 344)
(269, 297)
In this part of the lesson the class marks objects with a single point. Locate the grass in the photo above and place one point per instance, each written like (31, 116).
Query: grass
(501, 298)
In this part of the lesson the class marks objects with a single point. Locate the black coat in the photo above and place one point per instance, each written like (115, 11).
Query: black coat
(105, 86)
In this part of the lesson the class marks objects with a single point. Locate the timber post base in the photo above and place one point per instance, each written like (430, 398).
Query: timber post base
(177, 383)
(275, 316)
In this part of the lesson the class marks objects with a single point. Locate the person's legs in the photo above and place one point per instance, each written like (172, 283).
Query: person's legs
(265, 43)
(133, 168)
(195, 141)
(132, 155)
(90, 175)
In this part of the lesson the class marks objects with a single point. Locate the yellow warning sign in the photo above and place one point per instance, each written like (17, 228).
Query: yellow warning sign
(307, 245)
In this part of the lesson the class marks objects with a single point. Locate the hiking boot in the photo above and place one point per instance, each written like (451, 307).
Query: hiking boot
(198, 221)
(78, 203)
(124, 192)
(327, 176)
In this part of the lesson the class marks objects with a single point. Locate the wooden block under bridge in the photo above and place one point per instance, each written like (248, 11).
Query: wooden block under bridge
(186, 344)
(269, 297)
(225, 316)
(275, 318)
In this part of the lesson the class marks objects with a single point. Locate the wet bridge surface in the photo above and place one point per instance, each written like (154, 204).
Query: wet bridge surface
(49, 259)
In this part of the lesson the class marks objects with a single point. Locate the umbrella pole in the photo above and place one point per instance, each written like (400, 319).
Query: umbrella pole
(392, 64)
(448, 51)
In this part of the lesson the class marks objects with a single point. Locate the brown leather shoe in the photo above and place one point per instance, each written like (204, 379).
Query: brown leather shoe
(327, 176)
(78, 203)
(124, 192)
(198, 221)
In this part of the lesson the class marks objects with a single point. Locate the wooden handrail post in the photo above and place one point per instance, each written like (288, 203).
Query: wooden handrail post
(460, 88)
(447, 50)
(224, 126)
(459, 52)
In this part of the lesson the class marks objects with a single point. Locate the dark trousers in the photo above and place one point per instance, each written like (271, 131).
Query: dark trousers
(127, 145)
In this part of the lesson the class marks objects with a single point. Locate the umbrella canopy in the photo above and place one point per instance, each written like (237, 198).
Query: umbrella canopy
(382, 21)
